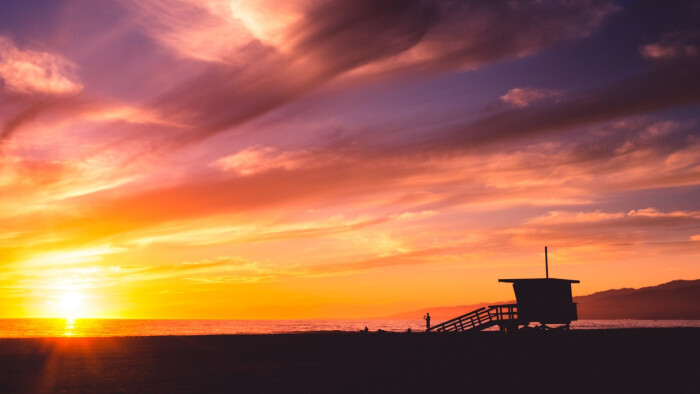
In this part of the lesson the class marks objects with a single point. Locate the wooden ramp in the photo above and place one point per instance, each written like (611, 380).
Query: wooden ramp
(504, 316)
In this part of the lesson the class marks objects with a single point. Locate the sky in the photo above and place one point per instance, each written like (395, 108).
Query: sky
(266, 159)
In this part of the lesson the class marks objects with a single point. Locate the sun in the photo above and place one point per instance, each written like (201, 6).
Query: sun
(72, 305)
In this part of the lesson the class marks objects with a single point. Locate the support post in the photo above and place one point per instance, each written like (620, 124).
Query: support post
(546, 263)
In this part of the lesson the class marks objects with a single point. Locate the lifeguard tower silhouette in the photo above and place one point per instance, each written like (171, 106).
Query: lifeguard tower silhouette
(539, 300)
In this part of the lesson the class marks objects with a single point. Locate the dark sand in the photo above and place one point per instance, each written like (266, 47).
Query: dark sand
(632, 360)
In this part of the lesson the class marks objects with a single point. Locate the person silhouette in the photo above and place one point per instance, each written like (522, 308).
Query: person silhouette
(427, 321)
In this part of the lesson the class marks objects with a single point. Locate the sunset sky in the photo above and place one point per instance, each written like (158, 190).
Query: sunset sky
(349, 158)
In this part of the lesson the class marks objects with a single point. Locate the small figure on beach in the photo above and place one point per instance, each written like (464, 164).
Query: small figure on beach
(427, 321)
(409, 330)
(366, 329)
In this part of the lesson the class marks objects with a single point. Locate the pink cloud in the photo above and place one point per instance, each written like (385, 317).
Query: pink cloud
(299, 47)
(609, 235)
(28, 71)
(560, 217)
(209, 31)
(673, 46)
(260, 159)
(654, 213)
(523, 97)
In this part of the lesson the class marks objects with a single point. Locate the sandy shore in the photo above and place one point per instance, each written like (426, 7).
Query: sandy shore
(643, 360)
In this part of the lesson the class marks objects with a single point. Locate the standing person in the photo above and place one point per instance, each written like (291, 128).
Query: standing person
(427, 321)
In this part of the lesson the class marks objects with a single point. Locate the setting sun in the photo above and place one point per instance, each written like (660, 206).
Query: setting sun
(72, 305)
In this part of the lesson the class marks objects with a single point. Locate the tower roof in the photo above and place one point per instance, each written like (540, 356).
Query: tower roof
(538, 279)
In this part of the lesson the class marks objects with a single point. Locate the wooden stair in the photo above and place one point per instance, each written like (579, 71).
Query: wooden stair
(505, 316)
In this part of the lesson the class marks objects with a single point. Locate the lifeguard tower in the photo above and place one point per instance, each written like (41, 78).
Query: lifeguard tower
(538, 300)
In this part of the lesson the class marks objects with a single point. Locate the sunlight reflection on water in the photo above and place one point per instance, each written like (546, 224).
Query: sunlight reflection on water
(70, 328)
(33, 328)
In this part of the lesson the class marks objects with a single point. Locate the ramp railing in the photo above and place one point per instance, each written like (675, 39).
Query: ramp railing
(480, 319)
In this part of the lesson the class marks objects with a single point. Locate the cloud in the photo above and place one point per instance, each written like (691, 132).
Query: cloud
(414, 257)
(240, 60)
(27, 71)
(598, 217)
(259, 159)
(211, 31)
(220, 270)
(619, 157)
(595, 232)
(674, 46)
(470, 34)
(523, 97)
(35, 181)
(85, 272)
(63, 269)
(572, 168)
(571, 228)
(654, 213)
(669, 86)
(564, 217)
(250, 233)
(318, 45)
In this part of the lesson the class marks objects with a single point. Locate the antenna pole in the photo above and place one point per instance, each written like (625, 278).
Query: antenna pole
(546, 263)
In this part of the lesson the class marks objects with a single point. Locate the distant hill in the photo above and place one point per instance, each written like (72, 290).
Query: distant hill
(679, 299)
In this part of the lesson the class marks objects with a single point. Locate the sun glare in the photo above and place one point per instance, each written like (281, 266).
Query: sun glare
(72, 305)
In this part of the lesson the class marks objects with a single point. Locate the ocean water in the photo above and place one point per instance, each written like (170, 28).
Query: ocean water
(38, 328)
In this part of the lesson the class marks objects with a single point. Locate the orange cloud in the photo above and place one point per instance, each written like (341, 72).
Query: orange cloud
(560, 217)
(638, 226)
(260, 159)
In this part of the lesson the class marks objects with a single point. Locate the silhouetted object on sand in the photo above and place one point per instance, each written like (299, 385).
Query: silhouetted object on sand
(427, 321)
(541, 300)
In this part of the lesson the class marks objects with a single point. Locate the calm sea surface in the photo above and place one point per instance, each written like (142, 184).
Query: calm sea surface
(33, 328)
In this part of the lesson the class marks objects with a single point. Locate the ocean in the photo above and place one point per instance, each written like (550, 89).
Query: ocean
(42, 328)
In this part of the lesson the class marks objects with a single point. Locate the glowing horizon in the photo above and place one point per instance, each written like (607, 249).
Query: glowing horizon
(327, 159)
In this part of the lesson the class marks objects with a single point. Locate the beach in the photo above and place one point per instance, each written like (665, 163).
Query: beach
(625, 360)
